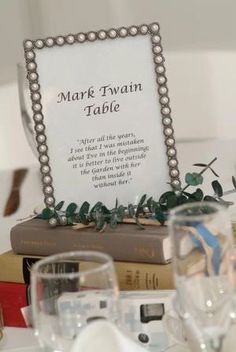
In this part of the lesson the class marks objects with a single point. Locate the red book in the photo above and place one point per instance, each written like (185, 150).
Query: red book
(13, 297)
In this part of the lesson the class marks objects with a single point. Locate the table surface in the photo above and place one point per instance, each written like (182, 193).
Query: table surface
(189, 152)
(23, 340)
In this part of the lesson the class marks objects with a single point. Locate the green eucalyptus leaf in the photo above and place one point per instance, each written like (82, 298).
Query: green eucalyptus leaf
(210, 199)
(187, 194)
(200, 164)
(205, 165)
(217, 188)
(84, 209)
(164, 196)
(70, 210)
(163, 207)
(159, 215)
(59, 205)
(214, 172)
(96, 207)
(100, 221)
(139, 210)
(70, 220)
(140, 205)
(142, 200)
(83, 213)
(225, 203)
(193, 179)
(47, 213)
(172, 201)
(103, 227)
(197, 195)
(182, 199)
(105, 210)
(149, 203)
(152, 205)
(189, 179)
(120, 213)
(131, 210)
(113, 221)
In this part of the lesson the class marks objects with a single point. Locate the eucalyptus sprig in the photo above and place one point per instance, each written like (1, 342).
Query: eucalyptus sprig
(147, 208)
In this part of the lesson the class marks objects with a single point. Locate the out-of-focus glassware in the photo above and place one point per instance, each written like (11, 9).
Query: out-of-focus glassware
(25, 107)
(68, 291)
(202, 243)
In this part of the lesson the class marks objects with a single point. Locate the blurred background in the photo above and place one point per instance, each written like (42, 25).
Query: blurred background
(199, 39)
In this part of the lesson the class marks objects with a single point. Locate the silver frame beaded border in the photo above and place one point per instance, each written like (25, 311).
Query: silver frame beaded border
(30, 49)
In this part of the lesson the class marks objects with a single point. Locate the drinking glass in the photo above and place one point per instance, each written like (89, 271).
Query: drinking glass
(69, 290)
(202, 242)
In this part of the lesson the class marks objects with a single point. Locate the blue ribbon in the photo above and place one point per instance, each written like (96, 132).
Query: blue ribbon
(213, 242)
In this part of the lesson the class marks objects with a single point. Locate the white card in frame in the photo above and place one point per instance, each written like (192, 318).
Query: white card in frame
(102, 115)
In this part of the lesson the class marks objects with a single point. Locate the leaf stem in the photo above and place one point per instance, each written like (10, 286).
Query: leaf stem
(200, 173)
(226, 193)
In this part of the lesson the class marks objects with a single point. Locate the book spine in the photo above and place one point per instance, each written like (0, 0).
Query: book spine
(137, 276)
(130, 276)
(44, 241)
(13, 297)
(16, 268)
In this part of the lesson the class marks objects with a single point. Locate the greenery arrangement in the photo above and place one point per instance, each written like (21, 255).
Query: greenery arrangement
(146, 211)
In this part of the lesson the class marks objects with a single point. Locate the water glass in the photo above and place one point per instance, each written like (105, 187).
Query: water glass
(202, 243)
(69, 290)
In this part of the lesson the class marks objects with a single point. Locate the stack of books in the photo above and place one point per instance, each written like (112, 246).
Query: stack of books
(142, 258)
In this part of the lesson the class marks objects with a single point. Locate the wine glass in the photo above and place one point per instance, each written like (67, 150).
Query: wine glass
(202, 242)
(68, 291)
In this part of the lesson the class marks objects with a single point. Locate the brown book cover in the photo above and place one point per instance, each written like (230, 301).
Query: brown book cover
(127, 242)
(130, 276)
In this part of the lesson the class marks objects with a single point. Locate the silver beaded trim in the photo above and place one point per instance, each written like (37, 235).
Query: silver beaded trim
(31, 47)
(164, 100)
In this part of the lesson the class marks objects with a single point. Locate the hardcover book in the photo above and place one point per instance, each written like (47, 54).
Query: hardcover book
(127, 242)
(13, 297)
(130, 276)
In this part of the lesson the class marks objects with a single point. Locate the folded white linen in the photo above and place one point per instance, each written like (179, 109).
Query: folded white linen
(106, 337)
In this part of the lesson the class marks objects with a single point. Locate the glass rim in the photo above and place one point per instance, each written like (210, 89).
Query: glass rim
(181, 217)
(81, 255)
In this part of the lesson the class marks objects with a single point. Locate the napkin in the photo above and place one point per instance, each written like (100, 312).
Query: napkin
(104, 336)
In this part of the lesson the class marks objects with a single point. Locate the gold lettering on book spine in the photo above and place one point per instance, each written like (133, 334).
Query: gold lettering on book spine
(152, 281)
(42, 243)
(132, 279)
(137, 280)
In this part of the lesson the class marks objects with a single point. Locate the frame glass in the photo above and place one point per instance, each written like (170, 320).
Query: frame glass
(102, 115)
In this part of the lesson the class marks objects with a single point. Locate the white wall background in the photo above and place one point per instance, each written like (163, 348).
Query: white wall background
(199, 39)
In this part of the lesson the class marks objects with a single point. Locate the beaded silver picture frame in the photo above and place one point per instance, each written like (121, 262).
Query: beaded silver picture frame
(32, 47)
